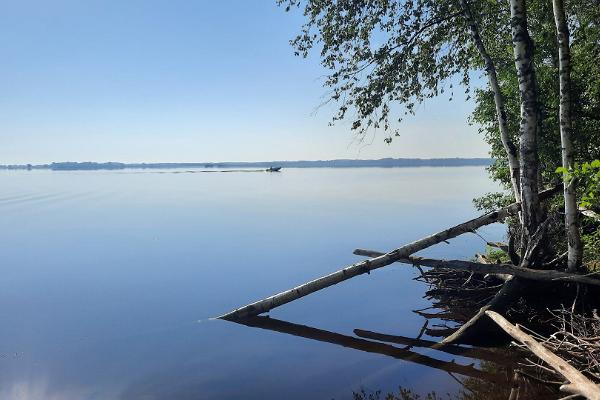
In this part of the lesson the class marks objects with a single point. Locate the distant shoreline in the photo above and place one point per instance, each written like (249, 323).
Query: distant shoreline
(339, 163)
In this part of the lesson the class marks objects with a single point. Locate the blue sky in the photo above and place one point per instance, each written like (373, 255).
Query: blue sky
(182, 81)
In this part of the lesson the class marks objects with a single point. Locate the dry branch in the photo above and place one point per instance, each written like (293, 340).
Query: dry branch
(579, 383)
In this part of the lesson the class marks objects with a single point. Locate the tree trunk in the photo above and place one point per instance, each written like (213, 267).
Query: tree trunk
(528, 147)
(575, 247)
(490, 68)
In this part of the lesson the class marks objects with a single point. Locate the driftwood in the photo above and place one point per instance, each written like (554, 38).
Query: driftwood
(367, 266)
(368, 346)
(481, 268)
(579, 384)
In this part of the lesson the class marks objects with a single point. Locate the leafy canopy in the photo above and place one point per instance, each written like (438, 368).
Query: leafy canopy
(381, 52)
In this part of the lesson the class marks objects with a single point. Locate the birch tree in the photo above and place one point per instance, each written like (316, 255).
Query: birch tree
(490, 69)
(575, 247)
(528, 126)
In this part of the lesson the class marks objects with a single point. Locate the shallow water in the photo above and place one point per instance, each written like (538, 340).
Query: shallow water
(109, 279)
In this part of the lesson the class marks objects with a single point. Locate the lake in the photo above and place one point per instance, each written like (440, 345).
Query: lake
(110, 279)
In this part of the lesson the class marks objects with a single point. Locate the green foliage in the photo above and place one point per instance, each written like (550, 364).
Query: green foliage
(384, 52)
(591, 253)
(584, 24)
(496, 255)
(380, 53)
(492, 201)
(587, 176)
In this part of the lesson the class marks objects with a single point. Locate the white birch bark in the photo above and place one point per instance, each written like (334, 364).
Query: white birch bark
(528, 148)
(490, 68)
(575, 247)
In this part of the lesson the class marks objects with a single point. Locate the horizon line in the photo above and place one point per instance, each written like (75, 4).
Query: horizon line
(245, 162)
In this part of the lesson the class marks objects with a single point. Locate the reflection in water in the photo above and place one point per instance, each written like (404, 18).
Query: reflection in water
(369, 346)
(471, 352)
(97, 266)
(495, 377)
(492, 373)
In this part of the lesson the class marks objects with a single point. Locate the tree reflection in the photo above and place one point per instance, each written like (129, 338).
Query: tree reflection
(493, 374)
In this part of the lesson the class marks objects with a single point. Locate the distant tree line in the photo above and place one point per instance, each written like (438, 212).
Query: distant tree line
(384, 162)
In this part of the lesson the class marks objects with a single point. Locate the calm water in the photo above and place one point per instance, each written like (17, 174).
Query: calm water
(109, 278)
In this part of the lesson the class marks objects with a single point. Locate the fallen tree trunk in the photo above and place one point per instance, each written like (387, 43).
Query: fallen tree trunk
(579, 383)
(382, 260)
(367, 266)
(481, 268)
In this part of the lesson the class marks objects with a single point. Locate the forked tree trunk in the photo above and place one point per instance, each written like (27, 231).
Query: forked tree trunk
(575, 248)
(528, 147)
(490, 68)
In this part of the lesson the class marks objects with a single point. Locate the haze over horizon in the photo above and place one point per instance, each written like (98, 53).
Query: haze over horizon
(357, 161)
(178, 81)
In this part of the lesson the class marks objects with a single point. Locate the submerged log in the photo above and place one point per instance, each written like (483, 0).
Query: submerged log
(367, 266)
(579, 385)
